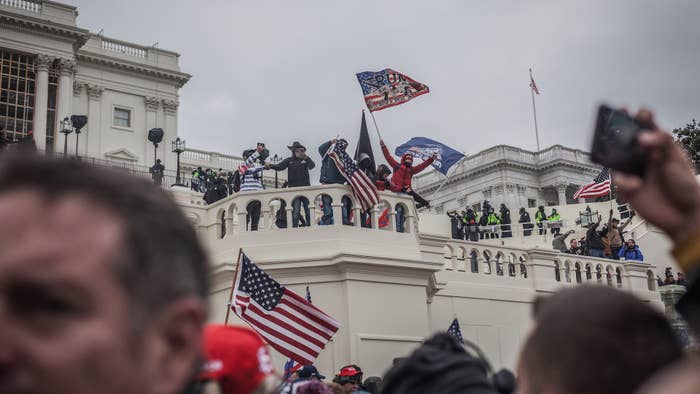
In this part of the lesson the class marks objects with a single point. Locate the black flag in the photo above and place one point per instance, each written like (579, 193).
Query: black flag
(364, 147)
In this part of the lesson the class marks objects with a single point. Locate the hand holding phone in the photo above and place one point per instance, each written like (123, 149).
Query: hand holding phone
(615, 141)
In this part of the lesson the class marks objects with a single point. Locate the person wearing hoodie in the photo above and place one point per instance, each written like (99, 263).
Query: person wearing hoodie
(382, 182)
(403, 174)
(526, 222)
(631, 251)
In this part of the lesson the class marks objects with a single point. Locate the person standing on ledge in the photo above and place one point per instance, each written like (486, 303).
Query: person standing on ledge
(297, 166)
(404, 172)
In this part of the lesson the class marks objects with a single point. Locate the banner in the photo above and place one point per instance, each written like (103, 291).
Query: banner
(388, 88)
(424, 148)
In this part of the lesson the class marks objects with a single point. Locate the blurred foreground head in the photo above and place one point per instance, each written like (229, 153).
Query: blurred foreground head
(442, 365)
(102, 282)
(594, 339)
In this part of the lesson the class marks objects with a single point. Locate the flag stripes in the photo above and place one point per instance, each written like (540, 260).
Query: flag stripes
(288, 322)
(598, 188)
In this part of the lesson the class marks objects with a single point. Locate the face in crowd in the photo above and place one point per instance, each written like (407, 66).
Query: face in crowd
(85, 306)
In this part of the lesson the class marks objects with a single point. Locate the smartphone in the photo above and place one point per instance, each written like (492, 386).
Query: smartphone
(615, 142)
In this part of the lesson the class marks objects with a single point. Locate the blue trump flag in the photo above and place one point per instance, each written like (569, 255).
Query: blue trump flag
(425, 147)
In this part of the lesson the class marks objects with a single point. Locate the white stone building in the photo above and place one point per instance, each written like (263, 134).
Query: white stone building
(51, 69)
(514, 176)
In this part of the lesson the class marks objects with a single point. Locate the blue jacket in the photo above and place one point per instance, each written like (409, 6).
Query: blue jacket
(631, 254)
(329, 172)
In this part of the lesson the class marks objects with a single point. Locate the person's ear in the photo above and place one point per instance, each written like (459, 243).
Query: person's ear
(173, 345)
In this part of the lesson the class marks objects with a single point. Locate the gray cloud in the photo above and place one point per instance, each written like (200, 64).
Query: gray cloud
(283, 70)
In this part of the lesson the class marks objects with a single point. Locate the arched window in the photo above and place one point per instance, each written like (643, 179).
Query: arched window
(448, 258)
(651, 282)
(487, 263)
(567, 272)
(511, 266)
(577, 268)
(609, 275)
(499, 264)
(618, 276)
(222, 230)
(474, 261)
(523, 268)
(599, 273)
(589, 272)
(557, 273)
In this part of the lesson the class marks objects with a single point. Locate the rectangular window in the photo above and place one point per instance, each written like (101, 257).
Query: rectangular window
(531, 203)
(122, 117)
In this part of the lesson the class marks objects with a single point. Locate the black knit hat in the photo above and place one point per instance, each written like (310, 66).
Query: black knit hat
(439, 365)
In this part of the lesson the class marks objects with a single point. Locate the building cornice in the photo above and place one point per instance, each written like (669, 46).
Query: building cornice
(24, 22)
(178, 78)
(509, 164)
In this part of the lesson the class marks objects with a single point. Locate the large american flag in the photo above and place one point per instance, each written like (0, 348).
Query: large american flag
(364, 189)
(598, 188)
(288, 322)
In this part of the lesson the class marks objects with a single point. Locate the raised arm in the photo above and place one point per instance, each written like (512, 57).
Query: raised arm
(622, 227)
(422, 166)
(389, 158)
(250, 161)
(324, 148)
(310, 163)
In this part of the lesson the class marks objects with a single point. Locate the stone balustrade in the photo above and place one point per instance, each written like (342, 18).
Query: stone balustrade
(543, 269)
(228, 217)
(26, 5)
(122, 47)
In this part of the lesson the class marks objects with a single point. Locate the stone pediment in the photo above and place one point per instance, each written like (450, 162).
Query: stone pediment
(122, 155)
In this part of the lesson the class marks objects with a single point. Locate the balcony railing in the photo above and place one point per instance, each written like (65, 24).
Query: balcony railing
(229, 216)
(26, 5)
(123, 48)
(471, 259)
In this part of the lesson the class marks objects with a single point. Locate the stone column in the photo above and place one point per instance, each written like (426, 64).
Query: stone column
(91, 132)
(561, 190)
(64, 105)
(170, 128)
(42, 63)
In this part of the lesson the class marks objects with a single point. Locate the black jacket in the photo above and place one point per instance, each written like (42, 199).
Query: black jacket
(593, 238)
(505, 216)
(297, 170)
(524, 218)
(329, 172)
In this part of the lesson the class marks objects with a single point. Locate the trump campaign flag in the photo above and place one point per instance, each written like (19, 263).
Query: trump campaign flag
(425, 147)
(388, 88)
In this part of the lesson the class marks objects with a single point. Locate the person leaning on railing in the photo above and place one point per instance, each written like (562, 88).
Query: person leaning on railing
(668, 197)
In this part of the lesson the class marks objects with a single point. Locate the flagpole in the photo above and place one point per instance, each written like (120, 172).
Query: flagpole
(233, 284)
(534, 112)
(447, 177)
(375, 123)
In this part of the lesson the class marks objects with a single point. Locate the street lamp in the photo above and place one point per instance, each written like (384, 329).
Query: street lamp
(178, 148)
(78, 122)
(66, 128)
(275, 161)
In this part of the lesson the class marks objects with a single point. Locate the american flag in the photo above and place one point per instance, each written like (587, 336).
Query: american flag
(533, 85)
(455, 331)
(290, 366)
(364, 189)
(287, 321)
(598, 188)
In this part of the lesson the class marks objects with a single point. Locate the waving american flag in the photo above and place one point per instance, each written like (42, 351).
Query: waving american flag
(598, 188)
(288, 322)
(364, 189)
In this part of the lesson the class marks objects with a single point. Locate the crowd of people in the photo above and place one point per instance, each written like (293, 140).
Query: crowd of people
(608, 241)
(248, 176)
(104, 286)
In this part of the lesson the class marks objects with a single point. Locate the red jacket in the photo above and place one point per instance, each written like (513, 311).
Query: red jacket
(402, 174)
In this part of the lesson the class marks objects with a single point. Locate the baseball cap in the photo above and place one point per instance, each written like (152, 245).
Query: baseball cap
(308, 371)
(236, 357)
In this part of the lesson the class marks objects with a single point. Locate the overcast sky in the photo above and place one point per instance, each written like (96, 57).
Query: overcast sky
(278, 71)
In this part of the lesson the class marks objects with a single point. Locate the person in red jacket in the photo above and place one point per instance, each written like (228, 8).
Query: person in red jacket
(403, 173)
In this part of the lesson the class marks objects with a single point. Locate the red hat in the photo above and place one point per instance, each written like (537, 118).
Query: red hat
(236, 357)
(349, 371)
